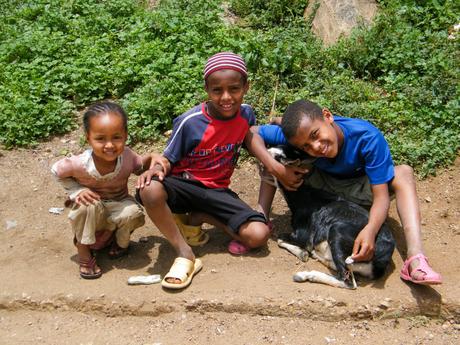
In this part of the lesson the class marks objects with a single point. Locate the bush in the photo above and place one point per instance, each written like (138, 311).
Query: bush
(401, 74)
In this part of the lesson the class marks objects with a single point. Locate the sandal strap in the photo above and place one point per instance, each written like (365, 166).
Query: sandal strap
(419, 256)
(181, 269)
(422, 264)
(88, 263)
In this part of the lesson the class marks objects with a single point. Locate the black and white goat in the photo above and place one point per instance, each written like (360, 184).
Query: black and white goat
(325, 227)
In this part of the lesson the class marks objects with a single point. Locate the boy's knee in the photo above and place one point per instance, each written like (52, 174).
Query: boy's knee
(255, 234)
(405, 170)
(153, 194)
(404, 173)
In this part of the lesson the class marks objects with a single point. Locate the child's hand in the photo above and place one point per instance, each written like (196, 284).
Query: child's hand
(145, 179)
(364, 247)
(87, 197)
(158, 161)
(291, 177)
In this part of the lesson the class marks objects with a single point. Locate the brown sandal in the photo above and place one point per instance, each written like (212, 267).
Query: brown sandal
(90, 264)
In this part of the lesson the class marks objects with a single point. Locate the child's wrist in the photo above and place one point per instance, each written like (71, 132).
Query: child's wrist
(275, 169)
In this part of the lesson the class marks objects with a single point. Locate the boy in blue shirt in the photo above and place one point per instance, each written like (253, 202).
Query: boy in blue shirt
(353, 160)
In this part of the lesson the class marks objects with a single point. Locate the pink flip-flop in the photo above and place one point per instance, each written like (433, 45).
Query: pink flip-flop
(429, 277)
(237, 248)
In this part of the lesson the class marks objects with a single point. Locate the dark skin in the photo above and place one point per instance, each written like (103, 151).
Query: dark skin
(226, 89)
(323, 138)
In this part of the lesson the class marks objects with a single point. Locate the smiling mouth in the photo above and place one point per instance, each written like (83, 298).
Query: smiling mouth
(226, 106)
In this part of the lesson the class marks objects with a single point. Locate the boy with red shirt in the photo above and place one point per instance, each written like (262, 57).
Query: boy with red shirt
(199, 160)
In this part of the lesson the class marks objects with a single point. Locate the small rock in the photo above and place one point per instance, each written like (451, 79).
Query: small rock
(56, 210)
(428, 199)
(144, 239)
(213, 270)
(11, 224)
(384, 305)
(457, 326)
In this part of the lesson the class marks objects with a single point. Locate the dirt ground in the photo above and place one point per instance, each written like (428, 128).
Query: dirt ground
(239, 300)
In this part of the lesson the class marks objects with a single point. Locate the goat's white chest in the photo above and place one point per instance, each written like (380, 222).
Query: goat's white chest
(322, 253)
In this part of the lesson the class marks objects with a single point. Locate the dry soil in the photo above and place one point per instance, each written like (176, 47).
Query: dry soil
(233, 300)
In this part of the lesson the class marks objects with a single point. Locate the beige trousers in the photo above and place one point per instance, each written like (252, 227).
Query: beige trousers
(121, 216)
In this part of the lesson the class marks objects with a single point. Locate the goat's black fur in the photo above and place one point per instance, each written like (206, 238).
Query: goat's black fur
(321, 217)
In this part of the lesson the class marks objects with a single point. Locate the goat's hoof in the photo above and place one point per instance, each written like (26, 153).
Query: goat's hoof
(304, 257)
(300, 277)
(349, 260)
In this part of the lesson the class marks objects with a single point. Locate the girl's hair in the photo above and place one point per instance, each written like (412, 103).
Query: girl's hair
(294, 114)
(104, 107)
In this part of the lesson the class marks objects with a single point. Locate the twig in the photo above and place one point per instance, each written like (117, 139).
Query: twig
(272, 110)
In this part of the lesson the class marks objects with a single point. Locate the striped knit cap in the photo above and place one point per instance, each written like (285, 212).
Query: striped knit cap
(225, 60)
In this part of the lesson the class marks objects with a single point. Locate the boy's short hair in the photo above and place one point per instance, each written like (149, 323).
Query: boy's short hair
(225, 60)
(294, 114)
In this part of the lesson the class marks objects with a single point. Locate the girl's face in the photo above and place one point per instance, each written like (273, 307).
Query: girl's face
(107, 136)
(319, 137)
(226, 89)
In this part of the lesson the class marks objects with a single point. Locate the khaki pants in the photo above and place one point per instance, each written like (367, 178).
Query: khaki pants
(121, 216)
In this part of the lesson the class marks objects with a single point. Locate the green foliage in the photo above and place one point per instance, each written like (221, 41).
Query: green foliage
(401, 74)
(266, 14)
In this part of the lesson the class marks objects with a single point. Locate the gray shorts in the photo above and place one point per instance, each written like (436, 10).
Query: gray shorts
(356, 189)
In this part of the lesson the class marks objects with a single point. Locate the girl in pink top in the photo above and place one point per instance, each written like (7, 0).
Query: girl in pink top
(97, 185)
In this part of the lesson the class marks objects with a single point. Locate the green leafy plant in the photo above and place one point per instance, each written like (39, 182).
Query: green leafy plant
(401, 74)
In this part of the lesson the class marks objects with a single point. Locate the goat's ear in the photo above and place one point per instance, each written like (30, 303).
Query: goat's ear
(277, 152)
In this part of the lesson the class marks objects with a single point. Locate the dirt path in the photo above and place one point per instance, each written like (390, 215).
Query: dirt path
(239, 300)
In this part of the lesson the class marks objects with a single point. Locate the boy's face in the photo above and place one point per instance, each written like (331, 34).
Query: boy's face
(319, 137)
(226, 89)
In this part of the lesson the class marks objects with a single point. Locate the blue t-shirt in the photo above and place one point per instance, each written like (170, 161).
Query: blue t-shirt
(364, 151)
